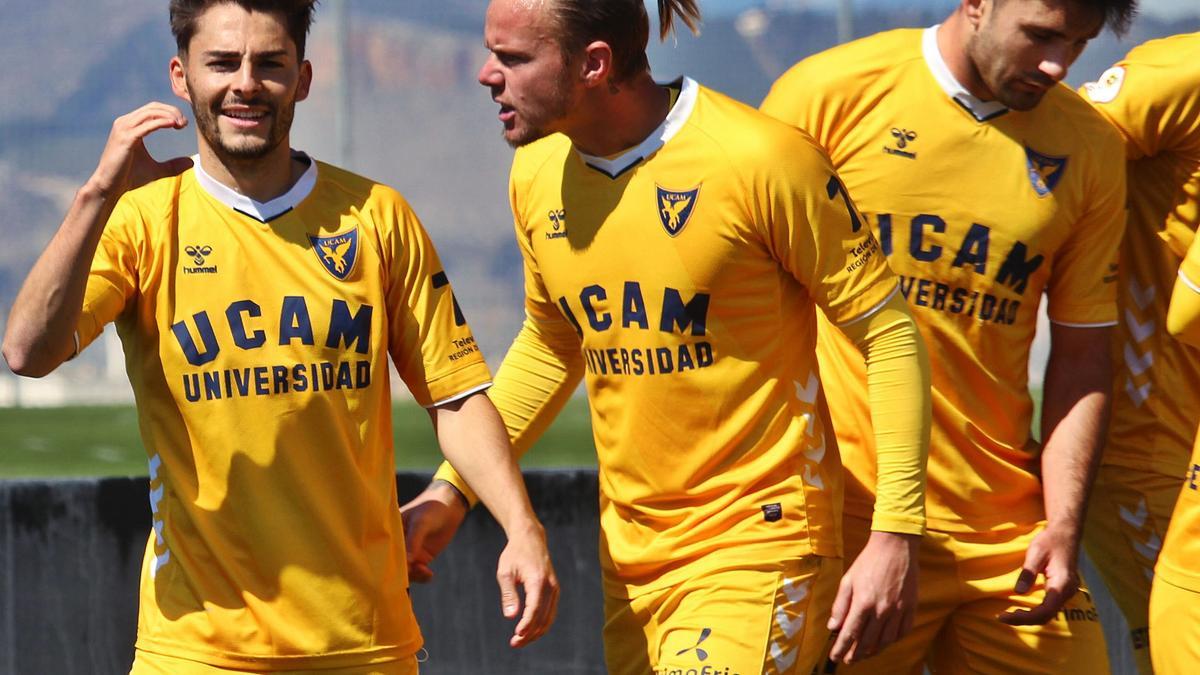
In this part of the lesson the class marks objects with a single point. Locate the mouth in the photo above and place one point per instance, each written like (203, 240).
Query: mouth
(507, 114)
(243, 117)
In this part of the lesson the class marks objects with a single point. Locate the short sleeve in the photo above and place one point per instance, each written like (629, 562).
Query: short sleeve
(1154, 106)
(428, 337)
(1082, 290)
(814, 230)
(112, 281)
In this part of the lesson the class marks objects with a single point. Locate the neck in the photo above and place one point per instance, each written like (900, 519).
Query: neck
(952, 38)
(619, 121)
(261, 179)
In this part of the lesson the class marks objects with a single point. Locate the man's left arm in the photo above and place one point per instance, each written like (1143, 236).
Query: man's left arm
(1075, 409)
(474, 440)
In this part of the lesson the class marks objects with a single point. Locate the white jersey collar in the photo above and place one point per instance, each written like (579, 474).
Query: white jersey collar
(676, 118)
(981, 110)
(262, 211)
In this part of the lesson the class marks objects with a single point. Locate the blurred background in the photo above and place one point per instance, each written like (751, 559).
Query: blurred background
(395, 99)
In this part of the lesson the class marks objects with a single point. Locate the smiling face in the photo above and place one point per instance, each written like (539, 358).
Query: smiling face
(527, 72)
(242, 76)
(1022, 48)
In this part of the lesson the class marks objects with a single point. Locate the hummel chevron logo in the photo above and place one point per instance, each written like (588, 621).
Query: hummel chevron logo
(1150, 549)
(1135, 518)
(1142, 297)
(1140, 331)
(789, 626)
(1138, 394)
(817, 452)
(795, 590)
(783, 660)
(1137, 364)
(808, 392)
(813, 478)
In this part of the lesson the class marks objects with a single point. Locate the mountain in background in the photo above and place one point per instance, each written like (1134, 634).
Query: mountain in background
(420, 121)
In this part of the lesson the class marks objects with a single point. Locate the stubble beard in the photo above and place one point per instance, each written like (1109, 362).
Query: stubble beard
(555, 108)
(246, 148)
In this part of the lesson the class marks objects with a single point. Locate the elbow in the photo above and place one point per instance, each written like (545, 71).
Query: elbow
(24, 362)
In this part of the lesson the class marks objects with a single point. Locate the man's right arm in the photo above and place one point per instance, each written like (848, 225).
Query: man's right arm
(41, 325)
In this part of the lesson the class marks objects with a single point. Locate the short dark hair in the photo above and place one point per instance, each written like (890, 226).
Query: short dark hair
(297, 14)
(1118, 14)
(623, 24)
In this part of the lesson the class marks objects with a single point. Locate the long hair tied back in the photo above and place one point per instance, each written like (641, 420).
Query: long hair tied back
(686, 10)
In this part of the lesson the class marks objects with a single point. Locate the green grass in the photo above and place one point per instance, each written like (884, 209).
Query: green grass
(104, 441)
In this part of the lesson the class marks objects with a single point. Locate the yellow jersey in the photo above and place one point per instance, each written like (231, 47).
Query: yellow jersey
(1181, 547)
(980, 210)
(683, 276)
(256, 338)
(1152, 97)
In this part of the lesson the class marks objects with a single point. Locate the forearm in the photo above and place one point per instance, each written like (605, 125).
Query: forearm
(1075, 412)
(899, 393)
(1183, 315)
(474, 442)
(533, 384)
(41, 324)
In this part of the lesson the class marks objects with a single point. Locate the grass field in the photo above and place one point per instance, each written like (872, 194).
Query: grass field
(104, 441)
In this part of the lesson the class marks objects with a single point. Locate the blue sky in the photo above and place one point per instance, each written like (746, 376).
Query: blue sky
(1169, 9)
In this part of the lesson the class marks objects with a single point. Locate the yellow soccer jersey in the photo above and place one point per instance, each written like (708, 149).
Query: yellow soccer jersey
(980, 210)
(685, 273)
(1153, 98)
(257, 339)
(1181, 548)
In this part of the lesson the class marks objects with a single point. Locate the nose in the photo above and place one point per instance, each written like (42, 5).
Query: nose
(489, 74)
(246, 82)
(1055, 63)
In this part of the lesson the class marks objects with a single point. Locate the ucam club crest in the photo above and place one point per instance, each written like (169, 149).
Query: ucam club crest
(337, 253)
(1044, 170)
(675, 208)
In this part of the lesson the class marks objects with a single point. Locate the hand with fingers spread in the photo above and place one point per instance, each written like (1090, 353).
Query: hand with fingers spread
(525, 565)
(430, 521)
(125, 163)
(1054, 554)
(876, 598)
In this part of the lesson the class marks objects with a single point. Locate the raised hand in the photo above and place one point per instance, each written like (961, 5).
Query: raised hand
(125, 163)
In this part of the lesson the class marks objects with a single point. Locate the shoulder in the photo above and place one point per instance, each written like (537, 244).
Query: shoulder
(337, 184)
(1089, 129)
(751, 140)
(846, 65)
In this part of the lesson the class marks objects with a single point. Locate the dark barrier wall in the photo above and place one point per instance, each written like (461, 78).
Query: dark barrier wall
(70, 552)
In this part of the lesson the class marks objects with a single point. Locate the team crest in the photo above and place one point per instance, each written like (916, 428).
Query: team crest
(337, 253)
(675, 208)
(1044, 171)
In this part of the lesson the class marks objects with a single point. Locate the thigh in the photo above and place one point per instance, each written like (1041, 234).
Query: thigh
(1126, 522)
(767, 618)
(975, 641)
(1174, 629)
(149, 663)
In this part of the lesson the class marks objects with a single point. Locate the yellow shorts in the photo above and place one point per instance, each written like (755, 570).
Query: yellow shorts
(965, 581)
(1174, 629)
(761, 618)
(1126, 524)
(149, 663)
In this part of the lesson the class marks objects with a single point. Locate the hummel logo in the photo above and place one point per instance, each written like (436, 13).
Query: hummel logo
(558, 220)
(903, 138)
(198, 254)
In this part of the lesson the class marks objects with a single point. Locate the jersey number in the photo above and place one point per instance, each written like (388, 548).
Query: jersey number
(835, 187)
(440, 280)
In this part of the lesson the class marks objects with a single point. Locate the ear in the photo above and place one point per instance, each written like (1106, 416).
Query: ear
(597, 66)
(976, 11)
(305, 81)
(179, 79)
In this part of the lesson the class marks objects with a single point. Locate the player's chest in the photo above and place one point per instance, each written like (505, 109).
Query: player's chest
(659, 231)
(241, 288)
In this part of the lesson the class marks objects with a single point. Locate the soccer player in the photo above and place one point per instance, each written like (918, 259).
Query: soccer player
(1152, 96)
(258, 295)
(1175, 596)
(676, 245)
(987, 183)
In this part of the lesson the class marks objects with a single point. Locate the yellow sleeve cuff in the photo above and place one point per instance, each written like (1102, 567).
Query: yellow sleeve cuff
(1183, 315)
